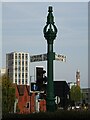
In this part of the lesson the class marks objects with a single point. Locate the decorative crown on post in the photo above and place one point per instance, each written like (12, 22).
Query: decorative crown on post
(50, 29)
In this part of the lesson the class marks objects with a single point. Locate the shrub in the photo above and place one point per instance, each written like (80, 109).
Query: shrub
(78, 115)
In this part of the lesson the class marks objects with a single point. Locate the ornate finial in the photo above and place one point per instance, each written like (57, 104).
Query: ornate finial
(50, 29)
(50, 9)
(50, 18)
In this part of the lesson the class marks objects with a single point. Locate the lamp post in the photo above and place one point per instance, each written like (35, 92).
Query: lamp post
(50, 32)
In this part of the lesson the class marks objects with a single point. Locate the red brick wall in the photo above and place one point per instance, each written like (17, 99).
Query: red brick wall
(43, 105)
(28, 98)
(24, 99)
(32, 102)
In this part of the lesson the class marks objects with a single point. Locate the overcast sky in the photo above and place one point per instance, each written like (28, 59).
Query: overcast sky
(22, 30)
(45, 0)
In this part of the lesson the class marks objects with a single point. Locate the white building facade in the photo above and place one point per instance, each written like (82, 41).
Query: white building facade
(2, 71)
(18, 65)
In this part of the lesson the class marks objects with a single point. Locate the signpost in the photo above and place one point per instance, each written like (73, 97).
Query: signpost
(60, 57)
(37, 58)
(43, 57)
(50, 32)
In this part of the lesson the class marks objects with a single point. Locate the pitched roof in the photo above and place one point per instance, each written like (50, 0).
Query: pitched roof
(21, 89)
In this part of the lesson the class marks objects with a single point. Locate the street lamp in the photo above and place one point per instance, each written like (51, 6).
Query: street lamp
(50, 32)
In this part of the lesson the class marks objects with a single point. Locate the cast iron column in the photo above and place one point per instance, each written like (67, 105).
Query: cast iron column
(50, 32)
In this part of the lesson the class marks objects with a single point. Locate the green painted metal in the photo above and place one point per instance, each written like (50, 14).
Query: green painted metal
(50, 32)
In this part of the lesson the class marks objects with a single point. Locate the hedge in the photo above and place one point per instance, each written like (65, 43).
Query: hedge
(70, 115)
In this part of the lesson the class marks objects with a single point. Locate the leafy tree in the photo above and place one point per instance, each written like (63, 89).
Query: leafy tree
(75, 93)
(8, 94)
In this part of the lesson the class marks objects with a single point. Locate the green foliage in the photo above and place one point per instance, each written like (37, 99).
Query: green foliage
(75, 93)
(8, 95)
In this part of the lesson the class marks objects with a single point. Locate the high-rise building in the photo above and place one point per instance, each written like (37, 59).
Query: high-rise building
(78, 77)
(17, 64)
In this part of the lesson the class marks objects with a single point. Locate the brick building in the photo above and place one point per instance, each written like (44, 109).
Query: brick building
(26, 102)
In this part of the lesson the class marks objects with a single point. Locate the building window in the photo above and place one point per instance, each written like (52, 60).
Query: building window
(22, 56)
(19, 69)
(16, 56)
(26, 69)
(10, 56)
(26, 63)
(26, 81)
(22, 69)
(22, 81)
(15, 68)
(22, 75)
(15, 62)
(28, 104)
(19, 81)
(26, 75)
(26, 56)
(22, 63)
(19, 75)
(19, 62)
(19, 56)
